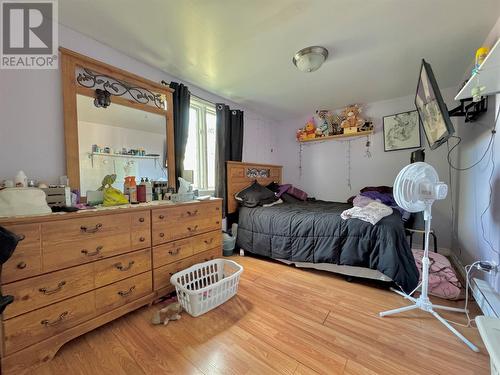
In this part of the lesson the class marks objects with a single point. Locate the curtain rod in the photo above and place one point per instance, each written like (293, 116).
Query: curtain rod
(163, 82)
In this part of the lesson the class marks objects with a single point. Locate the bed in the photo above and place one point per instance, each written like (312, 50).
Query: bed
(312, 234)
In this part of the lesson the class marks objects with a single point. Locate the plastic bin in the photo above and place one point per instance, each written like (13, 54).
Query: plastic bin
(204, 286)
(228, 244)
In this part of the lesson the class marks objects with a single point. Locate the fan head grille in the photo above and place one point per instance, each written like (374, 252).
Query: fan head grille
(408, 183)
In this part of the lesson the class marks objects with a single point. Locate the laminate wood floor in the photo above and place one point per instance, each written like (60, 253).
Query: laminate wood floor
(283, 321)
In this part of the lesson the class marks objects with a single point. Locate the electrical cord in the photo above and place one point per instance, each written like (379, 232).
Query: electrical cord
(491, 148)
(491, 141)
(490, 199)
(468, 270)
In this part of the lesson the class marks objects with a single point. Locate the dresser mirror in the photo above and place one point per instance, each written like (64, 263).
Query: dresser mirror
(115, 123)
(119, 140)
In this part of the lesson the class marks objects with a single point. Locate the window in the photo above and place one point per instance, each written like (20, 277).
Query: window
(199, 160)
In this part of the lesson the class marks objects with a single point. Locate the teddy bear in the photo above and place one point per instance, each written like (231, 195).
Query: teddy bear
(352, 120)
(168, 313)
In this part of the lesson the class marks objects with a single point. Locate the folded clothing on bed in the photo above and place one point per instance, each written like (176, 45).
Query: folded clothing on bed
(372, 213)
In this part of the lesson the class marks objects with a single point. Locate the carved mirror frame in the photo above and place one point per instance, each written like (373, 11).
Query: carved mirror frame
(146, 92)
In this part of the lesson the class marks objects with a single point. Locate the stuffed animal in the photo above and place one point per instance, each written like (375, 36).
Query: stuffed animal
(352, 120)
(310, 129)
(324, 126)
(111, 196)
(301, 134)
(168, 313)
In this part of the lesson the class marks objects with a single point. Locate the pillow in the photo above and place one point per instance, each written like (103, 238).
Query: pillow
(278, 189)
(283, 189)
(255, 195)
(287, 198)
(274, 187)
(297, 193)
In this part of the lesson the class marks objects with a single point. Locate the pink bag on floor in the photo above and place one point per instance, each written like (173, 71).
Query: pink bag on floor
(443, 281)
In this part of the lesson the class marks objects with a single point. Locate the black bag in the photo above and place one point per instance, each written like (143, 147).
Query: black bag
(8, 243)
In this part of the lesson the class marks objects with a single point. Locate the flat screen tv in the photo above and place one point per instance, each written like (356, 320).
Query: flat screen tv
(432, 109)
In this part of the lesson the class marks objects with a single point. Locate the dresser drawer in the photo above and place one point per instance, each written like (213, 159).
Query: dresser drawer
(123, 292)
(113, 269)
(43, 323)
(162, 275)
(26, 259)
(186, 228)
(140, 239)
(186, 212)
(207, 241)
(81, 229)
(36, 292)
(171, 252)
(141, 220)
(207, 255)
(77, 252)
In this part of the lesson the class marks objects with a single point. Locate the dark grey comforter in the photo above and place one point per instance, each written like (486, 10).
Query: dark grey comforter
(314, 232)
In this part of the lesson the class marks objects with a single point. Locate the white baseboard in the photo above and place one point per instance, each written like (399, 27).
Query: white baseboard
(486, 298)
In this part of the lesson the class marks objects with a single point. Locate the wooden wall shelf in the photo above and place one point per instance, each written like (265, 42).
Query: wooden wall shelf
(339, 136)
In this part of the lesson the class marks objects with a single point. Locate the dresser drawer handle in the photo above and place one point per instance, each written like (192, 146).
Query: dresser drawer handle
(91, 230)
(21, 237)
(48, 323)
(208, 242)
(91, 254)
(48, 291)
(172, 252)
(211, 258)
(162, 234)
(119, 266)
(192, 213)
(141, 220)
(194, 229)
(161, 217)
(173, 273)
(126, 293)
(142, 239)
(21, 265)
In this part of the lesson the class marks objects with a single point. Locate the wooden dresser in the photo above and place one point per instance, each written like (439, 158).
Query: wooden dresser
(74, 272)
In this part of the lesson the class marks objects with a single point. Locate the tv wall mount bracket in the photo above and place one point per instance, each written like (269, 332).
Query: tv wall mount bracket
(469, 109)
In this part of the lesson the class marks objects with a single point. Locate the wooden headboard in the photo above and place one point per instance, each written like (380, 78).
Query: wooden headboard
(241, 174)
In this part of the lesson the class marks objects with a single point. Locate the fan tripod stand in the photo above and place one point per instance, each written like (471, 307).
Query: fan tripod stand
(423, 302)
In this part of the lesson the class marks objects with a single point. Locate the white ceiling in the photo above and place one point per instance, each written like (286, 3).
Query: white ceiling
(119, 116)
(242, 49)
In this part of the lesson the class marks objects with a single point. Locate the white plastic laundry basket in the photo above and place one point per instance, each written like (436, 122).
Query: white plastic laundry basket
(204, 286)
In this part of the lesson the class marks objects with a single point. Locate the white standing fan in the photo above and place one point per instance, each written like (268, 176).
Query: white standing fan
(416, 187)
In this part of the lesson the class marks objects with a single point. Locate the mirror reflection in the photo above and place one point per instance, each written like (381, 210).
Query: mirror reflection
(121, 140)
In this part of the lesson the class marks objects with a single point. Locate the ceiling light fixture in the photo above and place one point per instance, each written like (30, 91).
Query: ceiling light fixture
(310, 59)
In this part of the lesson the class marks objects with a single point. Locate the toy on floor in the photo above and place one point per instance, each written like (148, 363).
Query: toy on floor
(168, 313)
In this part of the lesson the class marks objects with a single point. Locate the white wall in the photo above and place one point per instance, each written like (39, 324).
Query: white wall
(474, 190)
(93, 170)
(324, 163)
(31, 119)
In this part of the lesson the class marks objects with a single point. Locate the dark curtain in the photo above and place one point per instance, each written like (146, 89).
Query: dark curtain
(181, 99)
(229, 146)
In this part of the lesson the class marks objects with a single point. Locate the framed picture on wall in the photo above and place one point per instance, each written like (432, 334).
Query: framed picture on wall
(401, 131)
